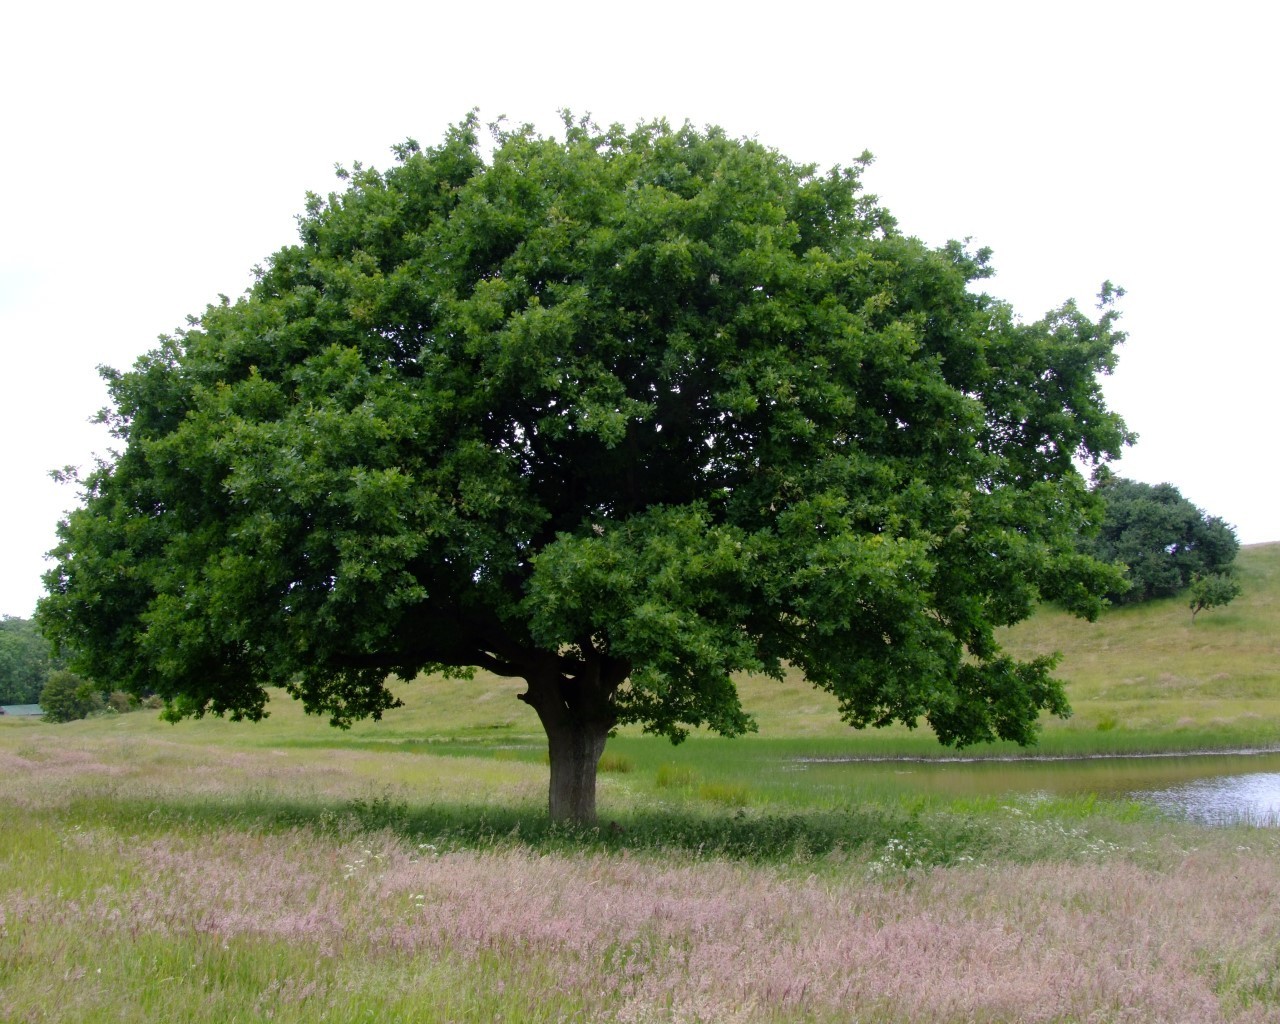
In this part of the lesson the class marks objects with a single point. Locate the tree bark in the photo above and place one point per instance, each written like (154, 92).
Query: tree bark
(575, 758)
(577, 713)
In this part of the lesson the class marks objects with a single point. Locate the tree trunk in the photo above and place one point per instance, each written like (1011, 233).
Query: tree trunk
(577, 713)
(575, 756)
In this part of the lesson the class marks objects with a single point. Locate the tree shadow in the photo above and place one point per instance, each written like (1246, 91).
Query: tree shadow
(742, 834)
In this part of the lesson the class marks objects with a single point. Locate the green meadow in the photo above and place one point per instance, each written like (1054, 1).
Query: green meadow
(405, 870)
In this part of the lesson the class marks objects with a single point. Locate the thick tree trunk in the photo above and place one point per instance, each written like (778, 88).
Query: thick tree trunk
(577, 713)
(575, 756)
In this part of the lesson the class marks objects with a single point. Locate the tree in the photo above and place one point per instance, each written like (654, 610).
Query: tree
(1162, 538)
(24, 661)
(1212, 591)
(619, 415)
(66, 697)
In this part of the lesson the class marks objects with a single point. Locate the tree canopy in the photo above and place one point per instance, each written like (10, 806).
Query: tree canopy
(621, 414)
(1164, 541)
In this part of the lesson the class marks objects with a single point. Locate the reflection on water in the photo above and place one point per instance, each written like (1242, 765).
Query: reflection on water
(1253, 798)
(1215, 789)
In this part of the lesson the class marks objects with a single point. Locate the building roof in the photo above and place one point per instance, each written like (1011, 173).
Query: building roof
(21, 710)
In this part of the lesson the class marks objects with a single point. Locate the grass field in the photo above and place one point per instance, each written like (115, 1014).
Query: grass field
(405, 871)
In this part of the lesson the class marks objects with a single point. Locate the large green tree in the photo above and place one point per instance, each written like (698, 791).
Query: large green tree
(1163, 540)
(620, 414)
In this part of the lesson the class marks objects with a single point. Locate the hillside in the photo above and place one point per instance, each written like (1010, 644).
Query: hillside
(1148, 666)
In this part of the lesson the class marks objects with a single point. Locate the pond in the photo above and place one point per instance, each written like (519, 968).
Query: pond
(1215, 789)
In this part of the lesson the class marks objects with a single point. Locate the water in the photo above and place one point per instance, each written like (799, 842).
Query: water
(1252, 798)
(1216, 789)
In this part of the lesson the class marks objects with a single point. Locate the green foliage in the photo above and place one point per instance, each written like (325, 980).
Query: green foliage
(66, 697)
(25, 661)
(122, 703)
(1212, 591)
(1161, 537)
(620, 414)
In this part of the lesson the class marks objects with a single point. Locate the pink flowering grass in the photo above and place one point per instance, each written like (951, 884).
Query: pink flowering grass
(157, 880)
(311, 927)
(301, 926)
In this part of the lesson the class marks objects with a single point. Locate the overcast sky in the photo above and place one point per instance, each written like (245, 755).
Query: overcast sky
(153, 153)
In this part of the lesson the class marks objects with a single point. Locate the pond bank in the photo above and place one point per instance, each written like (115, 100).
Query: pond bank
(1210, 787)
(1037, 758)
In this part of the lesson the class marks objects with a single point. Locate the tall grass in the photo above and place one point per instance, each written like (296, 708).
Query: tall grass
(110, 911)
(406, 871)
(152, 873)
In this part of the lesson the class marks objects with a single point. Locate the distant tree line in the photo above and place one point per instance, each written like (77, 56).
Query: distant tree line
(25, 661)
(30, 673)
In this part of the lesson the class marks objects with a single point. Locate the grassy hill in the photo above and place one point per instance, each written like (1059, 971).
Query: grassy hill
(1149, 668)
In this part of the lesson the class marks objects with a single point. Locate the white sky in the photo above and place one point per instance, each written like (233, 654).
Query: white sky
(153, 153)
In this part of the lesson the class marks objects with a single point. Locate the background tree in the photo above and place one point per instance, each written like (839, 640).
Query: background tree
(66, 697)
(25, 661)
(1163, 539)
(620, 415)
(1212, 591)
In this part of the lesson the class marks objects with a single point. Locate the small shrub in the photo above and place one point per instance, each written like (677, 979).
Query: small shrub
(122, 703)
(1106, 723)
(382, 811)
